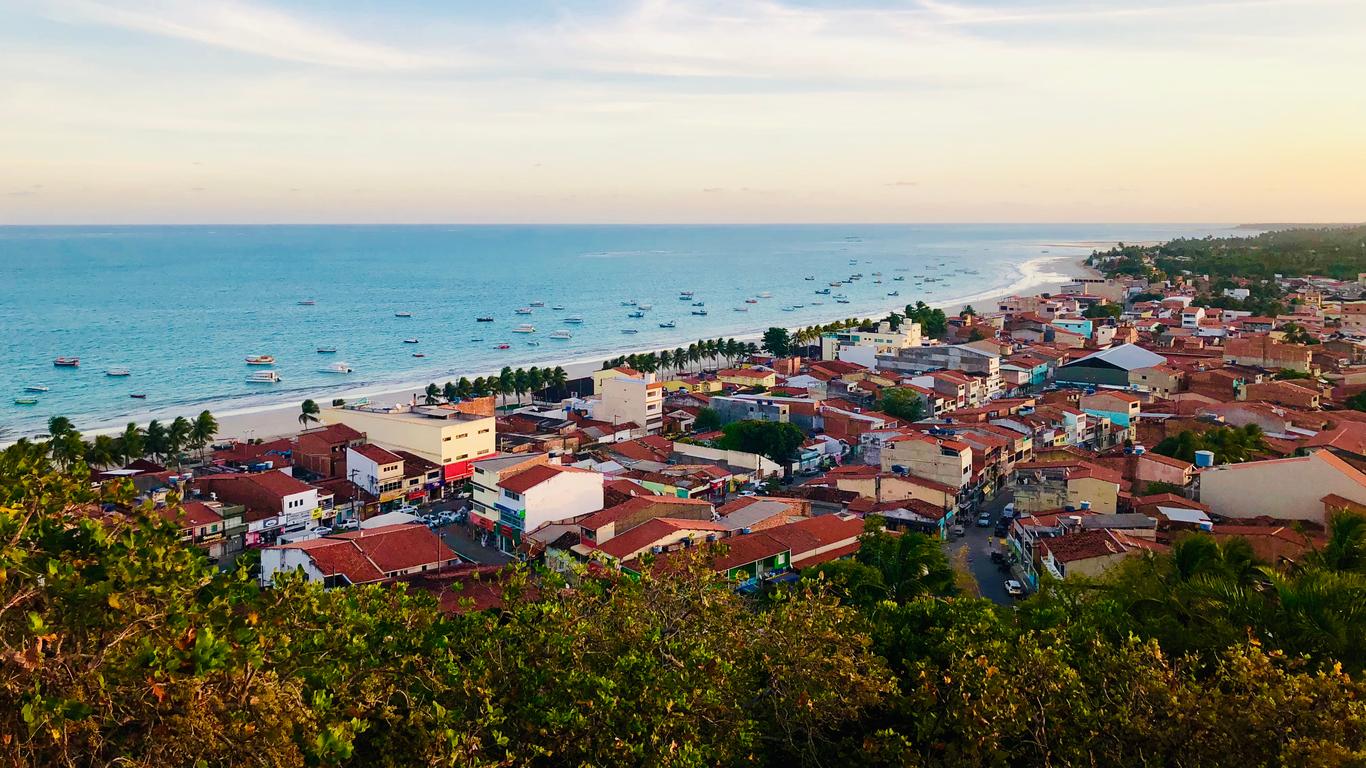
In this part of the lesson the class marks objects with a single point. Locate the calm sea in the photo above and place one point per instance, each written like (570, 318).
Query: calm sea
(181, 307)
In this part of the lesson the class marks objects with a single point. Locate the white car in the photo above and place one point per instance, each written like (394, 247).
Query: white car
(1009, 510)
(348, 525)
(1014, 588)
(319, 530)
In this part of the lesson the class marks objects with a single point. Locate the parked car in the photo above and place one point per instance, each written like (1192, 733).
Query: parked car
(319, 530)
(431, 521)
(1009, 510)
(1002, 528)
(997, 556)
(1014, 588)
(347, 525)
(958, 530)
(984, 520)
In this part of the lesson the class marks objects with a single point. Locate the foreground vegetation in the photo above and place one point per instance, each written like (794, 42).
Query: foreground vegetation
(120, 645)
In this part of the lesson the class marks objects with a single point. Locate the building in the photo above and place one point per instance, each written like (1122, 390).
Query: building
(276, 504)
(751, 408)
(637, 400)
(488, 474)
(1068, 484)
(1265, 352)
(546, 493)
(611, 373)
(953, 357)
(376, 471)
(882, 341)
(1121, 408)
(360, 557)
(747, 377)
(214, 527)
(1296, 488)
(322, 451)
(453, 436)
(942, 460)
(1108, 367)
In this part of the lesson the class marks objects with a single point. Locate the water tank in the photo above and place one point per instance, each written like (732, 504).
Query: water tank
(1085, 506)
(1139, 450)
(744, 531)
(1204, 458)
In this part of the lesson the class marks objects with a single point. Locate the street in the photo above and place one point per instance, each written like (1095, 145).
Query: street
(458, 536)
(979, 543)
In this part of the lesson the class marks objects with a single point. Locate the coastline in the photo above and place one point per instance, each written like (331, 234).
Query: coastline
(1042, 274)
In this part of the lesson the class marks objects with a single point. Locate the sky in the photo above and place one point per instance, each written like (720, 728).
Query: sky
(638, 111)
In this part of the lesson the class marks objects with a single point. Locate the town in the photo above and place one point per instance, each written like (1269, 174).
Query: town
(1045, 437)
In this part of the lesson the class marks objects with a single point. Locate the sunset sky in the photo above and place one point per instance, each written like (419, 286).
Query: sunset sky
(682, 111)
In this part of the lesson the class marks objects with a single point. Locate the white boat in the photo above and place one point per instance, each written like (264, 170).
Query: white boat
(629, 330)
(645, 306)
(524, 328)
(403, 314)
(685, 294)
(117, 372)
(561, 335)
(575, 319)
(307, 303)
(338, 367)
(636, 313)
(25, 401)
(260, 360)
(263, 377)
(558, 307)
(765, 295)
(36, 388)
(327, 350)
(523, 310)
(410, 341)
(669, 324)
(894, 293)
(699, 311)
(742, 309)
(538, 303)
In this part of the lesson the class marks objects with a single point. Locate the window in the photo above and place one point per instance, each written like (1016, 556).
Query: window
(512, 495)
(445, 439)
(483, 431)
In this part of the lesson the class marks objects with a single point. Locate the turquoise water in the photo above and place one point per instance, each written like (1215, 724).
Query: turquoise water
(181, 307)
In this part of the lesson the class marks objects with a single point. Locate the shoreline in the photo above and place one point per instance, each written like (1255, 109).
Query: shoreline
(1042, 274)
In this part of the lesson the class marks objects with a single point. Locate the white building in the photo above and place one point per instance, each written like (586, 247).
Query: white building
(543, 494)
(637, 400)
(883, 341)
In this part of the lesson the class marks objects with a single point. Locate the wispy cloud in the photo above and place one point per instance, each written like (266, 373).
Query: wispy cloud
(959, 13)
(247, 28)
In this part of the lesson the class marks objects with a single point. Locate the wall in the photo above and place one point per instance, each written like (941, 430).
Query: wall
(567, 495)
(1283, 489)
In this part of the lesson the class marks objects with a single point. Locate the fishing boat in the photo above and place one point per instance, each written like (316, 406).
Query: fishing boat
(630, 303)
(629, 330)
(817, 303)
(789, 309)
(327, 350)
(636, 313)
(899, 278)
(798, 306)
(476, 339)
(765, 295)
(260, 360)
(36, 388)
(485, 319)
(263, 377)
(894, 293)
(307, 303)
(533, 343)
(67, 362)
(523, 310)
(699, 311)
(645, 306)
(840, 296)
(25, 401)
(538, 303)
(558, 307)
(687, 294)
(338, 367)
(117, 372)
(575, 319)
(524, 328)
(741, 309)
(419, 354)
(809, 277)
(670, 324)
(751, 301)
(837, 284)
(503, 345)
(410, 341)
(403, 314)
(562, 335)
(841, 301)
(699, 303)
(823, 291)
(137, 396)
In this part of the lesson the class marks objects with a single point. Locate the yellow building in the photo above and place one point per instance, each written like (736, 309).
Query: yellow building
(747, 377)
(944, 461)
(441, 434)
(607, 374)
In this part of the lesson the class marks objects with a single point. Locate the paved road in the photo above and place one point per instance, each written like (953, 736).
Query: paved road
(465, 541)
(979, 543)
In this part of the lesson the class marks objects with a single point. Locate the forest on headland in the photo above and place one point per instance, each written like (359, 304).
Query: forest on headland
(1330, 251)
(121, 645)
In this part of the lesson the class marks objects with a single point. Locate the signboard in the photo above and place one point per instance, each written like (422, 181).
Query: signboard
(397, 493)
(317, 513)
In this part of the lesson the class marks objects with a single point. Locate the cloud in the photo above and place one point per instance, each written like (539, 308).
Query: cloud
(247, 28)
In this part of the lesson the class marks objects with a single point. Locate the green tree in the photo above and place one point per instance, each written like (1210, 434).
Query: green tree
(308, 413)
(131, 442)
(902, 403)
(1100, 311)
(777, 342)
(179, 437)
(202, 431)
(157, 440)
(507, 383)
(451, 391)
(776, 440)
(432, 394)
(708, 420)
(911, 564)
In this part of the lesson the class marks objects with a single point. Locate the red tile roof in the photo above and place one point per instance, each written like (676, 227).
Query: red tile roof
(743, 550)
(400, 547)
(645, 535)
(191, 514)
(525, 481)
(637, 504)
(377, 454)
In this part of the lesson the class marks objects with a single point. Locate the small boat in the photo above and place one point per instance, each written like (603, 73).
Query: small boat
(476, 339)
(629, 330)
(670, 324)
(685, 298)
(789, 309)
(751, 301)
(699, 311)
(817, 303)
(841, 301)
(25, 401)
(260, 360)
(630, 303)
(699, 303)
(840, 296)
(263, 377)
(418, 354)
(837, 284)
(523, 310)
(117, 372)
(645, 306)
(307, 303)
(524, 328)
(138, 396)
(765, 295)
(558, 307)
(742, 309)
(824, 291)
(562, 335)
(899, 278)
(798, 306)
(637, 313)
(533, 343)
(809, 277)
(410, 341)
(1044, 251)
(574, 319)
(894, 293)
(687, 294)
(327, 350)
(338, 367)
(67, 362)
(403, 314)
(538, 303)
(503, 345)
(36, 388)
(484, 319)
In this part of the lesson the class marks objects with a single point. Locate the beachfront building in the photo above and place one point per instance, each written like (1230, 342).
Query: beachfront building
(488, 474)
(962, 358)
(882, 341)
(632, 399)
(322, 451)
(453, 436)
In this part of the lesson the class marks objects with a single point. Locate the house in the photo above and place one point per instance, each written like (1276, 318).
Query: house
(758, 513)
(1085, 553)
(1108, 367)
(654, 536)
(747, 377)
(210, 526)
(360, 557)
(275, 502)
(882, 341)
(907, 514)
(606, 524)
(815, 540)
(488, 474)
(633, 399)
(1121, 408)
(545, 493)
(376, 471)
(322, 451)
(1262, 351)
(1292, 488)
(1160, 380)
(452, 435)
(1076, 483)
(941, 459)
(953, 357)
(599, 377)
(1288, 393)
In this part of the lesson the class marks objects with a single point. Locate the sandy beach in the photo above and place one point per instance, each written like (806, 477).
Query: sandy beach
(1041, 275)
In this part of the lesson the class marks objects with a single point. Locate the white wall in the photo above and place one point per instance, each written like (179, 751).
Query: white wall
(274, 561)
(566, 495)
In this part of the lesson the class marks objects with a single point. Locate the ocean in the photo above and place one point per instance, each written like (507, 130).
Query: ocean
(181, 307)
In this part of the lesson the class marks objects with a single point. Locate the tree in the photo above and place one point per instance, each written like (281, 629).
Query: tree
(976, 334)
(464, 389)
(131, 442)
(902, 403)
(308, 413)
(520, 383)
(178, 437)
(776, 440)
(933, 323)
(966, 312)
(1100, 311)
(911, 564)
(202, 431)
(507, 383)
(777, 342)
(1287, 374)
(1296, 334)
(451, 391)
(58, 426)
(157, 439)
(708, 420)
(432, 394)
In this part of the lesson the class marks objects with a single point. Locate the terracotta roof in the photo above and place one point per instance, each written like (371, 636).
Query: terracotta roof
(526, 480)
(334, 433)
(399, 547)
(742, 550)
(645, 535)
(1083, 546)
(1349, 436)
(743, 373)
(635, 504)
(377, 454)
(335, 558)
(191, 514)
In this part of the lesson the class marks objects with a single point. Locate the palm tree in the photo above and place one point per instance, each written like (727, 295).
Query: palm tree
(463, 388)
(308, 411)
(520, 384)
(432, 394)
(534, 380)
(1345, 549)
(67, 449)
(131, 442)
(694, 354)
(58, 426)
(506, 383)
(178, 437)
(480, 387)
(102, 452)
(560, 377)
(155, 444)
(450, 391)
(202, 430)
